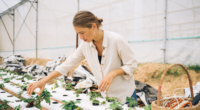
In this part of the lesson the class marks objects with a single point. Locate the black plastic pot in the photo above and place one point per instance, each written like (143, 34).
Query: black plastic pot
(53, 91)
(23, 80)
(65, 95)
(95, 104)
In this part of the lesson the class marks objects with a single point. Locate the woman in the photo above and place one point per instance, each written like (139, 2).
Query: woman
(110, 58)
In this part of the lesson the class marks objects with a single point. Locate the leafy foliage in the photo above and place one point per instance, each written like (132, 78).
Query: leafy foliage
(68, 86)
(55, 86)
(132, 101)
(17, 107)
(1, 86)
(116, 106)
(77, 92)
(104, 102)
(71, 105)
(6, 80)
(28, 77)
(45, 95)
(4, 105)
(147, 107)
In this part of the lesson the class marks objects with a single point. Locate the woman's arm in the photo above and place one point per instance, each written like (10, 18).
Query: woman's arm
(62, 69)
(129, 65)
(41, 84)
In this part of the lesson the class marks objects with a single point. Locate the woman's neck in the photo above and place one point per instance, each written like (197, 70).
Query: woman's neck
(99, 36)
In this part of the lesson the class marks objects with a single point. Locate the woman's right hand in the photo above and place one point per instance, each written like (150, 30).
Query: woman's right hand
(32, 86)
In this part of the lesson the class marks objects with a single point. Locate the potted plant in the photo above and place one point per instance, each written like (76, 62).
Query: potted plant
(1, 86)
(116, 106)
(6, 80)
(71, 105)
(132, 101)
(30, 101)
(94, 97)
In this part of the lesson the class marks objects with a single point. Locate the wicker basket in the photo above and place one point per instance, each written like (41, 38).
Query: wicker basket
(157, 105)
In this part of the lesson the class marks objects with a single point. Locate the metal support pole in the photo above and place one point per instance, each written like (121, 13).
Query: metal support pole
(6, 30)
(13, 31)
(165, 33)
(36, 49)
(77, 33)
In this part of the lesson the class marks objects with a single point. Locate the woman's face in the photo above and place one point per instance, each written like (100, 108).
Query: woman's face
(86, 34)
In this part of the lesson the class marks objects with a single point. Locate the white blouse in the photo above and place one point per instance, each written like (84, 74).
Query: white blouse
(116, 54)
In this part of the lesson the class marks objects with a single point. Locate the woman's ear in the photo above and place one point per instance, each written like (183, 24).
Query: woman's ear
(94, 26)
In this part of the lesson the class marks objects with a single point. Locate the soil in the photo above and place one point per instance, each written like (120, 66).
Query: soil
(30, 105)
(53, 91)
(78, 99)
(65, 95)
(145, 73)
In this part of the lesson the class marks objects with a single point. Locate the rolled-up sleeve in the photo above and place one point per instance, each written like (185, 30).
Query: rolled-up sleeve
(71, 61)
(127, 56)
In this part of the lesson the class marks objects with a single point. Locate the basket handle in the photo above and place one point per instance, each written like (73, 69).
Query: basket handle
(162, 77)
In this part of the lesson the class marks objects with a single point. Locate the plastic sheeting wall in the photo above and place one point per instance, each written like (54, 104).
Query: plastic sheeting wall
(140, 21)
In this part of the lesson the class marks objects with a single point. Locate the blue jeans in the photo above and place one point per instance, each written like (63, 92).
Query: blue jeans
(135, 97)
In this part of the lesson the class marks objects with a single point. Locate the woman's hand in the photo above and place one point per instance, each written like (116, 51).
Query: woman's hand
(32, 86)
(108, 79)
(106, 82)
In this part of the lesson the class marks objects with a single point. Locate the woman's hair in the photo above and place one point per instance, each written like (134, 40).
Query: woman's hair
(86, 19)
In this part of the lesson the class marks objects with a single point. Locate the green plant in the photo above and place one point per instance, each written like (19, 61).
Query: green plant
(17, 107)
(20, 93)
(111, 99)
(71, 105)
(104, 102)
(147, 107)
(22, 78)
(94, 97)
(132, 101)
(1, 86)
(6, 80)
(194, 67)
(4, 105)
(55, 86)
(16, 84)
(2, 75)
(116, 106)
(68, 86)
(77, 92)
(28, 77)
(45, 95)
(23, 87)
